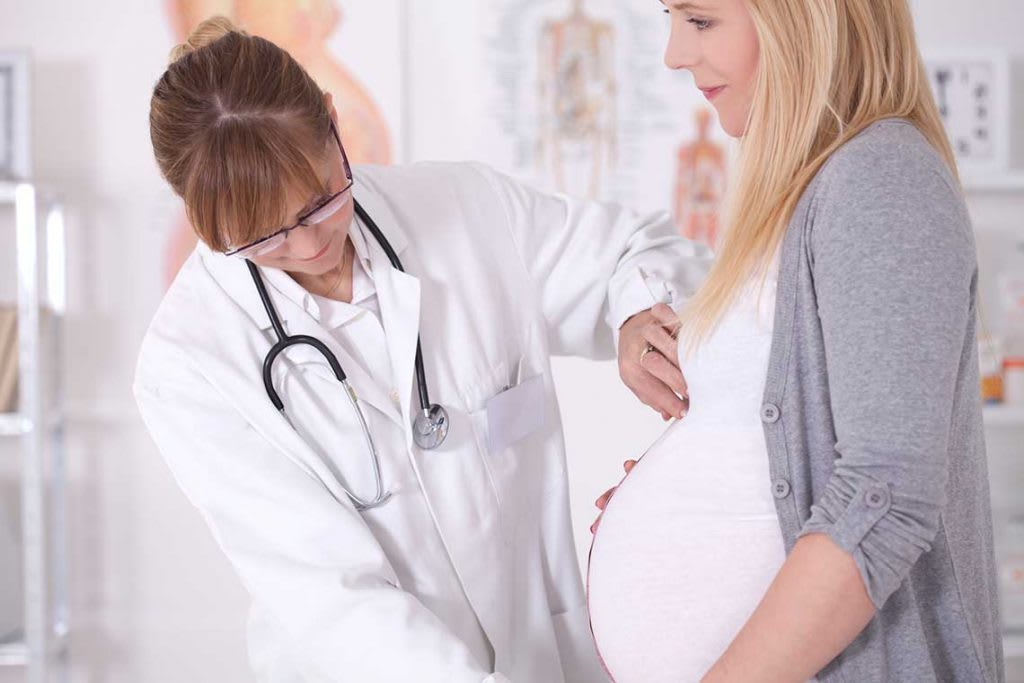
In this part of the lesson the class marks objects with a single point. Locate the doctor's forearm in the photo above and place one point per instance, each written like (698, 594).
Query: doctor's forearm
(815, 607)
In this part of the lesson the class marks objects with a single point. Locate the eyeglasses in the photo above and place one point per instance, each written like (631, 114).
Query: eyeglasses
(320, 213)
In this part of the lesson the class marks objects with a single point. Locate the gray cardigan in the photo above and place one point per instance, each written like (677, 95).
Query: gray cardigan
(872, 413)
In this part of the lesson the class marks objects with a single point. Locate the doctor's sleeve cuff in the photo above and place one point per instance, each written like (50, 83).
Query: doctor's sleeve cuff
(637, 291)
(885, 534)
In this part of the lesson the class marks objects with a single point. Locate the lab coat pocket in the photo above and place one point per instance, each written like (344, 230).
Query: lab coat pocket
(504, 426)
(515, 413)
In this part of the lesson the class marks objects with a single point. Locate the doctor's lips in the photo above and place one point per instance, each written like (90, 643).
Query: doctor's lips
(318, 254)
(712, 93)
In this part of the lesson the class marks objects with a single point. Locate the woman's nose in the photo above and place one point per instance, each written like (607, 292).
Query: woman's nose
(682, 51)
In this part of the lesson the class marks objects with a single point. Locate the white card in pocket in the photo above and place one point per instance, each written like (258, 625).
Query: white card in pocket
(515, 413)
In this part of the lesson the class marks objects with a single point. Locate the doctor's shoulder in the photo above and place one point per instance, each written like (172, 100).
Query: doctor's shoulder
(186, 319)
(437, 184)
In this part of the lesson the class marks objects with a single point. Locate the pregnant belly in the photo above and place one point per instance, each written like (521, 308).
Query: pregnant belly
(685, 550)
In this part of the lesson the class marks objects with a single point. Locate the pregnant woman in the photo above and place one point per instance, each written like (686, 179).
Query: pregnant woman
(822, 513)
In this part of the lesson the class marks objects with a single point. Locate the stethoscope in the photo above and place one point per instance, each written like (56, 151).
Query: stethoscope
(430, 426)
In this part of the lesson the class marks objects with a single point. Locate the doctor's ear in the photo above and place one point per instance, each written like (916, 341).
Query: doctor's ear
(329, 103)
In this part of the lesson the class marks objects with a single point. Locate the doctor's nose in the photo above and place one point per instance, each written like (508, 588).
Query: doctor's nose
(305, 242)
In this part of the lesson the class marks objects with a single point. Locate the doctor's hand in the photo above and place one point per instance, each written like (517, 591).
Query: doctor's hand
(602, 502)
(649, 361)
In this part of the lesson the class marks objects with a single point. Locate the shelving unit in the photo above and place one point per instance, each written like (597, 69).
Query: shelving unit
(38, 429)
(1013, 645)
(1011, 181)
(1003, 416)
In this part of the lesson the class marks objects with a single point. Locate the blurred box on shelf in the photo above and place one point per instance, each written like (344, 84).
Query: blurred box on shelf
(1011, 574)
(8, 359)
(10, 567)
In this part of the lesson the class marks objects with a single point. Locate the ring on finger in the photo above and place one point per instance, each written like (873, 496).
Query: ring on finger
(647, 349)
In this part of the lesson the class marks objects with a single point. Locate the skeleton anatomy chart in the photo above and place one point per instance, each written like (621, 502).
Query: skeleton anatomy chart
(700, 183)
(576, 97)
(578, 100)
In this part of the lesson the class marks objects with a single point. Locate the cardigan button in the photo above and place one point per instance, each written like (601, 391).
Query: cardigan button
(781, 488)
(876, 497)
(770, 413)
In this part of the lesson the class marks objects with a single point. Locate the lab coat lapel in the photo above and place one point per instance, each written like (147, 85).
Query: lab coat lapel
(470, 527)
(367, 388)
(233, 276)
(399, 297)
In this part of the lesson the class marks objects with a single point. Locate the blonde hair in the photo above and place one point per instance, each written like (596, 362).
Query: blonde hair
(237, 126)
(828, 69)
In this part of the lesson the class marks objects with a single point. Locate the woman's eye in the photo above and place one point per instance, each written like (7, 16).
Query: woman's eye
(701, 24)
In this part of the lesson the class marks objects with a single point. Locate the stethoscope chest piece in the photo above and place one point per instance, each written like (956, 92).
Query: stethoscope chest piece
(430, 428)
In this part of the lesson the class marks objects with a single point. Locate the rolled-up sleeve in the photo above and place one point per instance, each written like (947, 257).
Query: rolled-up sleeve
(595, 264)
(894, 272)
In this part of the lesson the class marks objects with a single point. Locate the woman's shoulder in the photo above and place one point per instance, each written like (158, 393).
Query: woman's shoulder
(889, 186)
(890, 157)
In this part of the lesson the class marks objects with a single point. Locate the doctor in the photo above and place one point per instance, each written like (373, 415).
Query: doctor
(411, 524)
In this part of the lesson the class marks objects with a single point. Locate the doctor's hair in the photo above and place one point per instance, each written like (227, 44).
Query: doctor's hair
(828, 69)
(238, 129)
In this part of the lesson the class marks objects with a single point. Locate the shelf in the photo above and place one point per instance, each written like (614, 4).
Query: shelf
(15, 652)
(1013, 645)
(1002, 182)
(1002, 415)
(12, 424)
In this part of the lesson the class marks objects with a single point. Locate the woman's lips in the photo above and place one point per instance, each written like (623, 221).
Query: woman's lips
(712, 93)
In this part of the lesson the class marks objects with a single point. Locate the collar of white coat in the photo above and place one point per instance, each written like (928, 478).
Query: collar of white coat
(233, 275)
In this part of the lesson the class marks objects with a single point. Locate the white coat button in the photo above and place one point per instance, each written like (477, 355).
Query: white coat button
(770, 413)
(781, 488)
(394, 396)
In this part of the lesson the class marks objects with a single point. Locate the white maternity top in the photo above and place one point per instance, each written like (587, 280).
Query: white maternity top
(690, 542)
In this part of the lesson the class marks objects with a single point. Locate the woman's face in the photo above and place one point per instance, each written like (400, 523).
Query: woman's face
(315, 249)
(716, 41)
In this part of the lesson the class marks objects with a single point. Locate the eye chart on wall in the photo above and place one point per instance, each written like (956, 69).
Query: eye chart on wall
(577, 99)
(972, 94)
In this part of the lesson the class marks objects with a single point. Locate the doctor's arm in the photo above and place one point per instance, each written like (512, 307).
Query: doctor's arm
(305, 557)
(594, 266)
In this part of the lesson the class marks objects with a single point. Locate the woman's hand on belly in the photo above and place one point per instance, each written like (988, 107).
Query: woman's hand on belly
(602, 501)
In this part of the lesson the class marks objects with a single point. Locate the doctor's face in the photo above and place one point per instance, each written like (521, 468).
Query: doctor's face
(717, 42)
(315, 247)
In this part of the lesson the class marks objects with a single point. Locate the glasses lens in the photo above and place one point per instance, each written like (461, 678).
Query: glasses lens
(329, 209)
(262, 248)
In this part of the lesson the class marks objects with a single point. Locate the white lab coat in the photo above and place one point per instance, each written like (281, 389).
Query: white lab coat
(500, 277)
